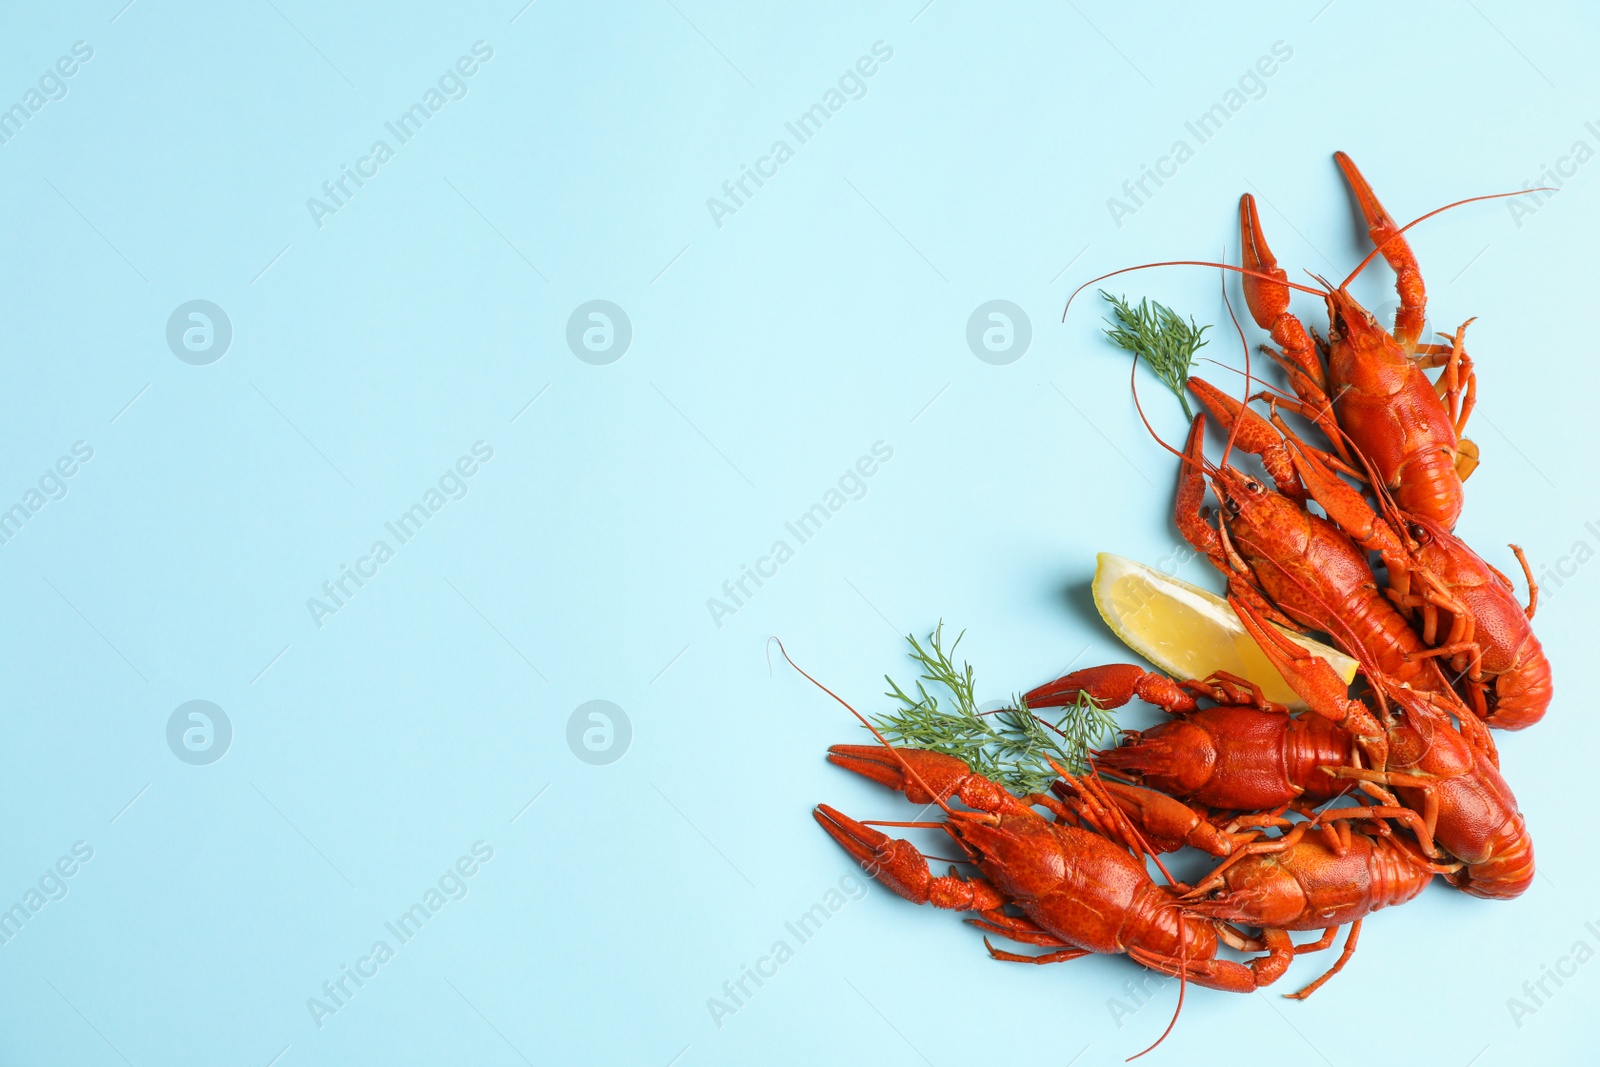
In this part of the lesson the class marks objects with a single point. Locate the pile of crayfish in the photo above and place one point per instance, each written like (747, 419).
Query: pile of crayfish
(1320, 817)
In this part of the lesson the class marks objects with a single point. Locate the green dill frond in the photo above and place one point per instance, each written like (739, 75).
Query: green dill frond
(1159, 336)
(1084, 725)
(1012, 746)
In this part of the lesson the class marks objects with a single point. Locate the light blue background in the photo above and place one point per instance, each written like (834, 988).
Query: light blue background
(768, 354)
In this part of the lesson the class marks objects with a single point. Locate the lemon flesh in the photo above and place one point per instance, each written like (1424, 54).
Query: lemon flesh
(1189, 632)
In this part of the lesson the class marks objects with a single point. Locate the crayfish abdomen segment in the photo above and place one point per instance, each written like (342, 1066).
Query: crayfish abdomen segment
(1508, 871)
(1426, 483)
(1522, 694)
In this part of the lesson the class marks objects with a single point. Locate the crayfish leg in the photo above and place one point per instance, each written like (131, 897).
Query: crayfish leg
(1168, 824)
(1018, 928)
(1325, 941)
(1049, 957)
(1344, 958)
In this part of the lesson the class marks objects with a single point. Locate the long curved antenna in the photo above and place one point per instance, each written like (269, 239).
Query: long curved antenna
(1233, 430)
(1182, 263)
(1118, 816)
(1266, 386)
(1387, 508)
(904, 763)
(1183, 984)
(1133, 385)
(1301, 288)
(1436, 211)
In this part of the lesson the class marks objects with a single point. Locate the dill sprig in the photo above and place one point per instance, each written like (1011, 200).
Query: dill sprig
(1012, 746)
(1159, 336)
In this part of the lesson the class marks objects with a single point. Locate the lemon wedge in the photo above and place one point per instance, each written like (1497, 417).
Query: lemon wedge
(1190, 632)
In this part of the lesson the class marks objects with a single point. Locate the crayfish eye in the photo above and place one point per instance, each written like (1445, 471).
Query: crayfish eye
(1253, 485)
(1419, 534)
(1232, 505)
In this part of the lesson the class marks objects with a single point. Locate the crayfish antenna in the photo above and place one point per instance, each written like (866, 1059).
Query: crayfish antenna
(1179, 263)
(1108, 808)
(1266, 386)
(1233, 431)
(1133, 386)
(911, 772)
(1292, 285)
(1183, 985)
(1437, 211)
(1133, 376)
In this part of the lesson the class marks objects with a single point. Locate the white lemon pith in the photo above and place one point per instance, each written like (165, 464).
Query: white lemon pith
(1189, 632)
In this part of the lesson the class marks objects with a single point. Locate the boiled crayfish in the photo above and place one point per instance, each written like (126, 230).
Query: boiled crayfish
(1372, 389)
(1317, 819)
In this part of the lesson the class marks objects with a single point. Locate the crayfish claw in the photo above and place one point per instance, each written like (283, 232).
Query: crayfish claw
(894, 862)
(905, 769)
